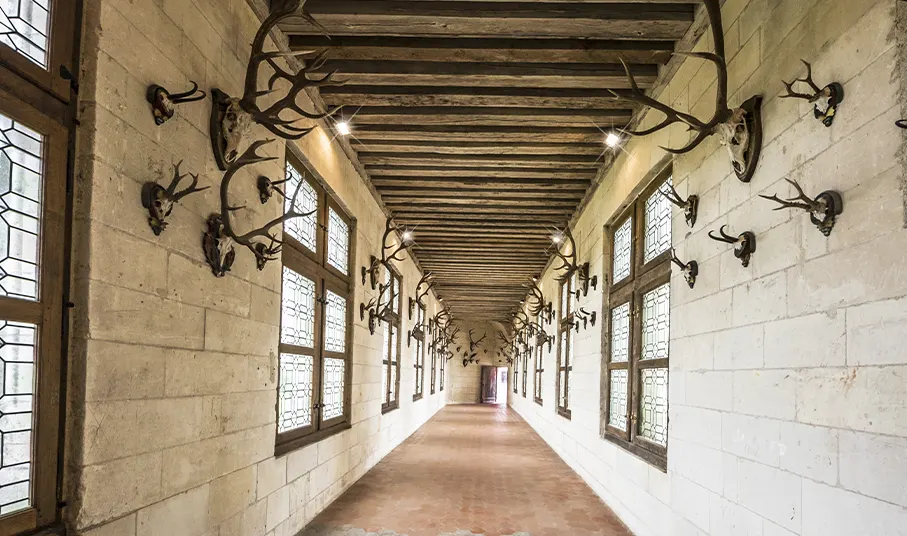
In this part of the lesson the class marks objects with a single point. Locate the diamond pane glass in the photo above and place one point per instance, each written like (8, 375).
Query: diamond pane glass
(658, 223)
(17, 358)
(653, 424)
(385, 358)
(338, 242)
(620, 333)
(333, 387)
(565, 299)
(294, 392)
(656, 319)
(335, 323)
(617, 412)
(302, 229)
(623, 250)
(24, 26)
(297, 319)
(21, 185)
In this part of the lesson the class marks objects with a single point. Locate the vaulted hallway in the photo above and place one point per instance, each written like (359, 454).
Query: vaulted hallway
(474, 468)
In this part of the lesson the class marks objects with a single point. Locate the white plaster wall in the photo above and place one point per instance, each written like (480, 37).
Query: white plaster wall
(788, 381)
(173, 390)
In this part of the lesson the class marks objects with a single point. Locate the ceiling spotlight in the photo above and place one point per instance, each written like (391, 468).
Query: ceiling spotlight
(612, 140)
(557, 238)
(407, 236)
(343, 128)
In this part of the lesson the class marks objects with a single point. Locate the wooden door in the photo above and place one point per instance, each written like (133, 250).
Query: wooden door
(489, 384)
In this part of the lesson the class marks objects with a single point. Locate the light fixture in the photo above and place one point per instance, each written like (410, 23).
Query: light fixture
(556, 238)
(612, 140)
(407, 236)
(343, 128)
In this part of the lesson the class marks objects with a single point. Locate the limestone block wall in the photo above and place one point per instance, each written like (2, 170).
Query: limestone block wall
(171, 428)
(787, 381)
(465, 382)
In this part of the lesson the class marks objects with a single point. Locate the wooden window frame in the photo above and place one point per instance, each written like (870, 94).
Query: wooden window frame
(434, 359)
(315, 266)
(394, 318)
(516, 368)
(419, 358)
(441, 369)
(539, 369)
(564, 359)
(526, 358)
(644, 277)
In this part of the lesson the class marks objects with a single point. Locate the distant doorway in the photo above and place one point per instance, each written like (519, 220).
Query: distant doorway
(494, 385)
(501, 397)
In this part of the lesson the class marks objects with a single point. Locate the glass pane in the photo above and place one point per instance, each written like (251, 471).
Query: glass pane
(653, 424)
(565, 299)
(302, 229)
(338, 242)
(623, 250)
(297, 319)
(21, 185)
(394, 357)
(17, 352)
(656, 319)
(335, 323)
(658, 223)
(617, 412)
(333, 387)
(24, 26)
(562, 376)
(294, 406)
(385, 359)
(620, 333)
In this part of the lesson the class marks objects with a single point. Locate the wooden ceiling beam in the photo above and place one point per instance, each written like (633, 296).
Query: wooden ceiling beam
(476, 184)
(355, 95)
(478, 173)
(398, 194)
(481, 19)
(450, 49)
(490, 147)
(479, 115)
(518, 160)
(469, 133)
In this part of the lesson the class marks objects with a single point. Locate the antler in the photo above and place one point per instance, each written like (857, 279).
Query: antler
(568, 262)
(179, 98)
(391, 227)
(673, 197)
(817, 91)
(677, 261)
(722, 111)
(808, 203)
(250, 240)
(724, 236)
(535, 309)
(270, 117)
(171, 192)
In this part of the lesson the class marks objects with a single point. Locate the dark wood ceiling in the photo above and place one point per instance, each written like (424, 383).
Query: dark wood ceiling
(480, 122)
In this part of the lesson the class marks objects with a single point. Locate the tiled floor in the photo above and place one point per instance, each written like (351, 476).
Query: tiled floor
(475, 469)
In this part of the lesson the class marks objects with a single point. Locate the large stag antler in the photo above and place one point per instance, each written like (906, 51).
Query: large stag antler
(254, 239)
(389, 229)
(568, 261)
(802, 201)
(690, 206)
(823, 209)
(739, 128)
(474, 344)
(833, 94)
(421, 294)
(269, 117)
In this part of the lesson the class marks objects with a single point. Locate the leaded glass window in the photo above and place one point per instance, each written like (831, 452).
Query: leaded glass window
(338, 242)
(302, 229)
(539, 368)
(565, 347)
(391, 353)
(25, 27)
(17, 351)
(315, 368)
(657, 223)
(419, 355)
(638, 331)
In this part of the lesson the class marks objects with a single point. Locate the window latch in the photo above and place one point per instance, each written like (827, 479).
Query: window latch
(323, 300)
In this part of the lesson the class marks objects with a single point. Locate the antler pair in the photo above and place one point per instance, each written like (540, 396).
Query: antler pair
(689, 206)
(474, 344)
(568, 260)
(833, 93)
(269, 117)
(389, 228)
(822, 210)
(159, 200)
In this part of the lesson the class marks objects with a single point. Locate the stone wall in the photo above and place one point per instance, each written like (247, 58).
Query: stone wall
(466, 382)
(787, 399)
(173, 372)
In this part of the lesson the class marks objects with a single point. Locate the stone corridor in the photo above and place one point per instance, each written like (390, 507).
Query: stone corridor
(472, 469)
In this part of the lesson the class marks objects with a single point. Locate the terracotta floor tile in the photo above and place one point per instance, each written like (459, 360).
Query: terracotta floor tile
(479, 469)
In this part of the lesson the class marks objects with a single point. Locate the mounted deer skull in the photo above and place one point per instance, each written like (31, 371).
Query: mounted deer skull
(475, 344)
(377, 309)
(159, 201)
(262, 241)
(582, 276)
(832, 95)
(689, 270)
(267, 188)
(740, 129)
(744, 244)
(690, 207)
(420, 295)
(586, 317)
(376, 263)
(823, 210)
(231, 116)
(538, 306)
(163, 103)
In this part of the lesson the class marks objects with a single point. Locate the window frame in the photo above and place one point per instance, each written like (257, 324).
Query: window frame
(441, 370)
(526, 357)
(433, 351)
(395, 320)
(644, 277)
(419, 356)
(539, 368)
(314, 266)
(564, 359)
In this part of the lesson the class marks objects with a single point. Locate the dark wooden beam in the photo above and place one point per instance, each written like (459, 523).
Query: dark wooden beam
(511, 134)
(490, 116)
(478, 147)
(558, 161)
(391, 183)
(596, 99)
(489, 193)
(479, 172)
(448, 49)
(480, 19)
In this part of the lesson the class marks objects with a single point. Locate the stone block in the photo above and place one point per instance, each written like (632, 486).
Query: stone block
(768, 393)
(692, 353)
(125, 526)
(877, 333)
(810, 451)
(272, 475)
(191, 282)
(771, 493)
(713, 390)
(185, 514)
(117, 487)
(807, 341)
(761, 300)
(227, 333)
(120, 371)
(691, 501)
(731, 519)
(874, 465)
(278, 507)
(125, 261)
(695, 425)
(250, 521)
(828, 510)
(208, 373)
(752, 438)
(739, 348)
(231, 494)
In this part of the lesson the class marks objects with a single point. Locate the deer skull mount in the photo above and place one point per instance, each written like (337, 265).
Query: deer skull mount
(568, 260)
(262, 242)
(744, 244)
(267, 188)
(582, 275)
(740, 129)
(218, 247)
(418, 333)
(376, 308)
(371, 271)
(823, 209)
(690, 206)
(825, 100)
(426, 285)
(232, 116)
(159, 201)
(586, 318)
(690, 270)
(163, 103)
(538, 306)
